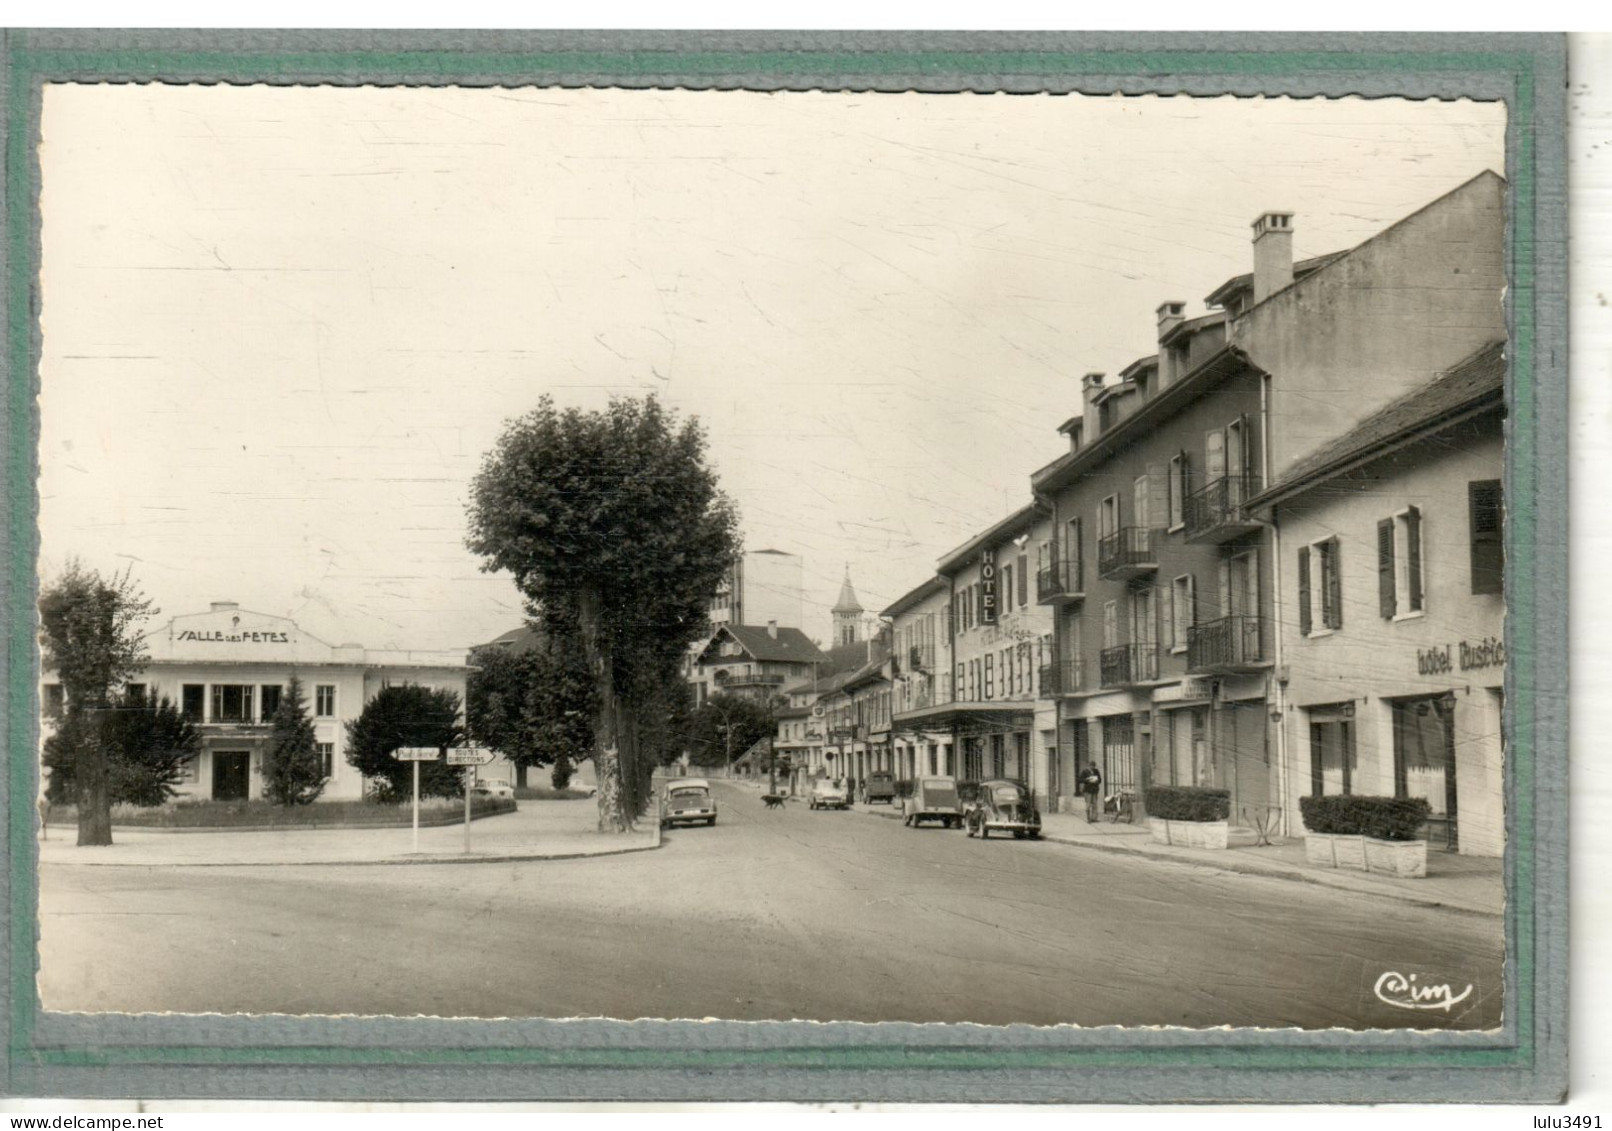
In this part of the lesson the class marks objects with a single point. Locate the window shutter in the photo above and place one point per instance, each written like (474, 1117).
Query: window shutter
(1488, 546)
(1386, 604)
(1413, 556)
(1304, 591)
(1024, 579)
(1334, 583)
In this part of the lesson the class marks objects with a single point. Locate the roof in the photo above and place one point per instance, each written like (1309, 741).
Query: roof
(1151, 361)
(1302, 268)
(847, 602)
(846, 657)
(791, 645)
(1222, 364)
(791, 712)
(1191, 326)
(913, 596)
(1015, 523)
(867, 673)
(1476, 383)
(517, 640)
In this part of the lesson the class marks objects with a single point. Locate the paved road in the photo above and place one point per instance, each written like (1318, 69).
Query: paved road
(769, 915)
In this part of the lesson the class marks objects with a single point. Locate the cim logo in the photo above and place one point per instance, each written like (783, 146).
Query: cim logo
(1405, 992)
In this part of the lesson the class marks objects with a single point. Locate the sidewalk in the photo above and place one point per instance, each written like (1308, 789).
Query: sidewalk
(538, 830)
(1471, 884)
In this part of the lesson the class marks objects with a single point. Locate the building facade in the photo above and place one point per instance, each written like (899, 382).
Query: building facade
(751, 662)
(227, 669)
(761, 587)
(1393, 624)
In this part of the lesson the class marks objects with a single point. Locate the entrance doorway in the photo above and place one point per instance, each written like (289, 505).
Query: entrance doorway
(231, 775)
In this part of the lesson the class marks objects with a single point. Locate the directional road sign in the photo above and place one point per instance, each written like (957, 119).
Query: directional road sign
(470, 756)
(417, 753)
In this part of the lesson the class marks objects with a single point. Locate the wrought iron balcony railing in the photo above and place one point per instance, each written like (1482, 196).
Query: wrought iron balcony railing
(1127, 664)
(1128, 552)
(1236, 643)
(1215, 512)
(1066, 677)
(1059, 582)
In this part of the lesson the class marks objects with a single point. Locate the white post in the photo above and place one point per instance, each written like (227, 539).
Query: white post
(468, 775)
(416, 805)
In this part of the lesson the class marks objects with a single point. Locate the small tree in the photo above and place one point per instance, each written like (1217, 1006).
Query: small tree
(88, 632)
(726, 726)
(146, 744)
(534, 707)
(294, 773)
(406, 715)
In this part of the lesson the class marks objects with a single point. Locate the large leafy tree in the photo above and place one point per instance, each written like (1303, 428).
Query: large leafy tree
(615, 531)
(145, 743)
(725, 727)
(89, 634)
(407, 715)
(535, 707)
(293, 772)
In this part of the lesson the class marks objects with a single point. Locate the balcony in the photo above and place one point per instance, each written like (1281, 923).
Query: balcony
(755, 680)
(1237, 643)
(1215, 513)
(1066, 677)
(1060, 582)
(1129, 664)
(1126, 553)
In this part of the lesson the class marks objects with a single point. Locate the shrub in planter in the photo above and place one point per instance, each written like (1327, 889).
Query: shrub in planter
(1187, 803)
(1381, 818)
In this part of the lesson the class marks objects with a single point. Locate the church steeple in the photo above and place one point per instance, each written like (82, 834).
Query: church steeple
(847, 613)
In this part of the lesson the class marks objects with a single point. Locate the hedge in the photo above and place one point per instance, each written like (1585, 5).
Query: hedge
(1382, 818)
(1187, 803)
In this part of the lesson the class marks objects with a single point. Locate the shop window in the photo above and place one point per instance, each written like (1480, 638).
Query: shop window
(191, 698)
(1399, 564)
(1487, 518)
(1320, 598)
(324, 698)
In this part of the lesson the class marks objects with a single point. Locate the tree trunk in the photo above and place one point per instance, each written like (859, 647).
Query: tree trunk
(614, 814)
(520, 776)
(94, 805)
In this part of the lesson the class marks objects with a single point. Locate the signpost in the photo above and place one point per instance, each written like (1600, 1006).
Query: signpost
(469, 757)
(417, 754)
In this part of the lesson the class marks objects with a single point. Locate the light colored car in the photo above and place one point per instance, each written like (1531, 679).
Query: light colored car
(933, 799)
(687, 801)
(828, 794)
(494, 787)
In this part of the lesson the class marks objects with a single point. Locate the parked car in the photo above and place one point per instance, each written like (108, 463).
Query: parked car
(1004, 807)
(687, 801)
(879, 786)
(493, 787)
(933, 799)
(828, 794)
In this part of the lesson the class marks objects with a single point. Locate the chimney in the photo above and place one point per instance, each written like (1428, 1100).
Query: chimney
(772, 629)
(1090, 385)
(1273, 254)
(1170, 315)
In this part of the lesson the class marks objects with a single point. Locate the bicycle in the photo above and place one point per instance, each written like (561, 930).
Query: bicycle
(1120, 806)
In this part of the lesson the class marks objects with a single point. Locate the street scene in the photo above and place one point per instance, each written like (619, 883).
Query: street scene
(908, 558)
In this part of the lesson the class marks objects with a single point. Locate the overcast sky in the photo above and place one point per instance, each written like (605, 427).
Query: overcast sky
(281, 325)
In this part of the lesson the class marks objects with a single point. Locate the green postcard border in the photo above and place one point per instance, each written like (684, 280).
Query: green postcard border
(602, 1059)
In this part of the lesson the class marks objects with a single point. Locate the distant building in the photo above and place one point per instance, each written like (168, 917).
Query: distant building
(227, 670)
(761, 587)
(757, 663)
(847, 613)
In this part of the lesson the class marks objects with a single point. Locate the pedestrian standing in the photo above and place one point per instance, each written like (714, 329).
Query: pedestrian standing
(1091, 785)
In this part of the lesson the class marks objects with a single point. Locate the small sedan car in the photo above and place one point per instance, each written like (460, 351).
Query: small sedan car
(493, 787)
(933, 799)
(828, 794)
(687, 801)
(1004, 807)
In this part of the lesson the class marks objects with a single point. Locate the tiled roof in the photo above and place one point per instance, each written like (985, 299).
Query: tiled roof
(791, 645)
(1478, 379)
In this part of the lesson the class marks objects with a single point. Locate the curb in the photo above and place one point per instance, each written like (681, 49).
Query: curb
(421, 858)
(1273, 874)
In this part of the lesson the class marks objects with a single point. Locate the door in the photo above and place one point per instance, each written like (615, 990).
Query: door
(1424, 760)
(1239, 597)
(231, 775)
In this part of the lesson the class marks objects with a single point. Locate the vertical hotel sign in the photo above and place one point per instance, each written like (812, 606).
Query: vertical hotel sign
(988, 587)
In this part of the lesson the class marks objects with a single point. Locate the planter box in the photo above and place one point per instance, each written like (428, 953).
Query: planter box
(1190, 834)
(1406, 859)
